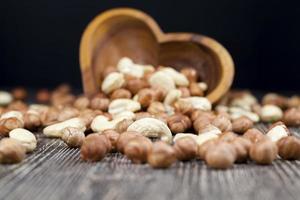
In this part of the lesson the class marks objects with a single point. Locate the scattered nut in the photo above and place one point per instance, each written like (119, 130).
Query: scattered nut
(179, 123)
(5, 98)
(112, 82)
(178, 78)
(161, 155)
(123, 125)
(161, 79)
(201, 103)
(99, 103)
(190, 73)
(270, 113)
(82, 103)
(43, 96)
(182, 135)
(277, 132)
(32, 120)
(19, 93)
(11, 151)
(289, 148)
(137, 149)
(124, 138)
(263, 152)
(222, 122)
(185, 148)
(291, 117)
(73, 137)
(242, 147)
(25, 137)
(121, 105)
(254, 135)
(241, 125)
(228, 136)
(156, 107)
(121, 94)
(113, 137)
(204, 146)
(196, 90)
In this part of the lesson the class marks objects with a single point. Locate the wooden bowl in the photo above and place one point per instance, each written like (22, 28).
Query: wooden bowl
(128, 32)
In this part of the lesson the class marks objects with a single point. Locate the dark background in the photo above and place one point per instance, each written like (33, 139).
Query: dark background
(39, 39)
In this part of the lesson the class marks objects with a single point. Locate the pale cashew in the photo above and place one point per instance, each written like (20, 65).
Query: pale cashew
(245, 101)
(200, 103)
(151, 127)
(127, 66)
(201, 139)
(271, 113)
(172, 96)
(177, 77)
(209, 128)
(40, 108)
(183, 135)
(121, 105)
(12, 114)
(124, 115)
(112, 82)
(25, 137)
(278, 132)
(236, 112)
(5, 98)
(56, 130)
(203, 86)
(102, 123)
(163, 80)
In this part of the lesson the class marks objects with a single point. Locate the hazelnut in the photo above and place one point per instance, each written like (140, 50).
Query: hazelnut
(184, 107)
(221, 156)
(228, 136)
(202, 148)
(291, 117)
(123, 125)
(98, 103)
(195, 90)
(43, 96)
(294, 101)
(190, 73)
(11, 151)
(8, 124)
(140, 115)
(32, 120)
(241, 125)
(263, 152)
(277, 131)
(275, 99)
(254, 135)
(67, 113)
(159, 93)
(73, 137)
(94, 147)
(185, 92)
(19, 93)
(137, 149)
(82, 103)
(121, 94)
(135, 85)
(270, 113)
(146, 96)
(242, 147)
(289, 148)
(113, 137)
(185, 148)
(156, 107)
(199, 113)
(179, 123)
(161, 155)
(222, 122)
(124, 138)
(18, 106)
(201, 122)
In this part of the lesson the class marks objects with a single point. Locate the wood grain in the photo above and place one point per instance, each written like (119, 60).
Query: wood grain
(55, 171)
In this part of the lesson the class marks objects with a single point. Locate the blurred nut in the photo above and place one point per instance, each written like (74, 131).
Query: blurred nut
(205, 114)
(291, 117)
(8, 124)
(17, 106)
(49, 116)
(137, 149)
(113, 137)
(67, 113)
(182, 135)
(19, 93)
(242, 147)
(222, 122)
(277, 132)
(163, 80)
(270, 113)
(113, 81)
(124, 138)
(123, 125)
(121, 94)
(140, 115)
(98, 103)
(178, 78)
(228, 136)
(73, 137)
(82, 103)
(43, 96)
(289, 148)
(190, 73)
(254, 135)
(172, 96)
(200, 103)
(135, 85)
(185, 92)
(196, 90)
(179, 123)
(241, 125)
(5, 98)
(156, 107)
(120, 105)
(161, 155)
(184, 107)
(145, 97)
(263, 152)
(204, 146)
(32, 120)
(25, 137)
(11, 151)
(185, 148)
(275, 99)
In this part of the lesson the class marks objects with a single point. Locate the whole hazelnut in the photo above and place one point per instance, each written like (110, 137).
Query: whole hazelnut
(202, 149)
(241, 125)
(137, 149)
(63, 88)
(19, 93)
(124, 138)
(159, 93)
(254, 135)
(228, 136)
(121, 94)
(73, 137)
(195, 90)
(60, 100)
(67, 113)
(94, 147)
(294, 101)
(11, 151)
(123, 125)
(201, 122)
(242, 147)
(82, 103)
(156, 107)
(17, 106)
(161, 155)
(135, 85)
(32, 120)
(43, 96)
(263, 152)
(222, 122)
(184, 107)
(200, 113)
(185, 92)
(185, 148)
(190, 73)
(145, 97)
(291, 117)
(113, 137)
(8, 124)
(179, 123)
(222, 156)
(275, 99)
(98, 103)
(289, 148)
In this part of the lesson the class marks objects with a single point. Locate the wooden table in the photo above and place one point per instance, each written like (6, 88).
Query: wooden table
(55, 171)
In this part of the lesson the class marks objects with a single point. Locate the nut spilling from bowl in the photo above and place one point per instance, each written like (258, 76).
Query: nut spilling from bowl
(152, 115)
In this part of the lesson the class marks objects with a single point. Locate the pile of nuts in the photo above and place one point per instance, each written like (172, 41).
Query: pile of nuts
(152, 115)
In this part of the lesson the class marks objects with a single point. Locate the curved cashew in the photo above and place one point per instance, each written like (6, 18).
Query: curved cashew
(112, 82)
(124, 115)
(10, 114)
(278, 132)
(236, 112)
(163, 80)
(121, 105)
(151, 127)
(210, 129)
(102, 123)
(177, 77)
(127, 66)
(200, 103)
(25, 137)
(55, 130)
(202, 138)
(182, 135)
(270, 113)
(172, 96)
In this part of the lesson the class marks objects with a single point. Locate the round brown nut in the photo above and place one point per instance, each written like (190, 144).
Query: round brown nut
(17, 106)
(67, 113)
(202, 149)
(159, 93)
(8, 124)
(121, 94)
(289, 148)
(140, 115)
(135, 85)
(275, 99)
(82, 103)
(123, 125)
(179, 123)
(156, 107)
(124, 138)
(200, 113)
(228, 136)
(32, 120)
(161, 155)
(43, 96)
(11, 151)
(145, 97)
(241, 125)
(184, 107)
(242, 147)
(195, 90)
(201, 122)
(185, 148)
(254, 135)
(221, 156)
(94, 147)
(137, 149)
(19, 93)
(263, 152)
(222, 122)
(98, 103)
(190, 73)
(73, 137)
(291, 117)
(113, 137)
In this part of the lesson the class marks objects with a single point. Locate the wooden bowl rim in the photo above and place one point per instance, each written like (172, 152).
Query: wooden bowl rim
(226, 62)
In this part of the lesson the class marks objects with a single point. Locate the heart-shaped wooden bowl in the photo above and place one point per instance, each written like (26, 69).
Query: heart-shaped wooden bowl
(128, 32)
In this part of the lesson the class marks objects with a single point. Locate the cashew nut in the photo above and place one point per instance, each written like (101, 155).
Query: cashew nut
(127, 66)
(209, 128)
(121, 105)
(151, 127)
(200, 103)
(203, 86)
(172, 96)
(10, 114)
(102, 123)
(245, 101)
(163, 80)
(182, 135)
(236, 112)
(278, 132)
(202, 138)
(25, 137)
(112, 82)
(55, 130)
(177, 77)
(124, 115)
(5, 98)
(270, 113)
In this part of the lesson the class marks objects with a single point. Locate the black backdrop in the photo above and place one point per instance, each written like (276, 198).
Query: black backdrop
(39, 39)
